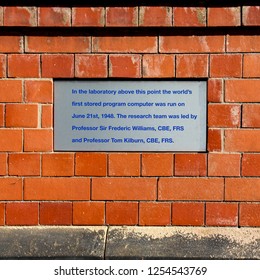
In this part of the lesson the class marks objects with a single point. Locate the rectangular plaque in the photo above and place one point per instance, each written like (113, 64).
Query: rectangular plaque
(130, 115)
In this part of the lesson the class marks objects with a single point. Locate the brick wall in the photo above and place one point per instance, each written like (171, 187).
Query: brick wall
(41, 187)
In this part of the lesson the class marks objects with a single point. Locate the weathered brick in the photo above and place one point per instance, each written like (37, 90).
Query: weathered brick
(121, 16)
(189, 16)
(60, 44)
(54, 16)
(2, 214)
(249, 215)
(11, 44)
(91, 66)
(224, 115)
(223, 65)
(155, 16)
(125, 66)
(251, 115)
(126, 44)
(245, 43)
(20, 16)
(251, 15)
(228, 16)
(251, 66)
(192, 65)
(158, 66)
(3, 64)
(215, 90)
(88, 16)
(192, 44)
(221, 214)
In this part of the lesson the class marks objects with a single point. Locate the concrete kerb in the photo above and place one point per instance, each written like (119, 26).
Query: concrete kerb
(123, 242)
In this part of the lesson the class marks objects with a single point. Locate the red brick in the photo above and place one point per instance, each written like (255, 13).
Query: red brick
(188, 214)
(122, 213)
(2, 214)
(91, 66)
(57, 164)
(214, 140)
(88, 16)
(215, 90)
(38, 91)
(125, 66)
(2, 115)
(157, 164)
(11, 90)
(38, 140)
(242, 140)
(61, 44)
(11, 188)
(192, 66)
(224, 165)
(224, 16)
(54, 16)
(3, 164)
(251, 115)
(154, 214)
(189, 16)
(88, 213)
(245, 43)
(192, 44)
(47, 116)
(242, 90)
(21, 115)
(221, 214)
(11, 44)
(249, 215)
(124, 164)
(251, 15)
(224, 115)
(58, 66)
(225, 65)
(91, 164)
(20, 16)
(126, 44)
(158, 66)
(56, 188)
(24, 66)
(251, 165)
(24, 164)
(55, 213)
(190, 165)
(155, 16)
(1, 16)
(124, 188)
(121, 16)
(11, 140)
(2, 65)
(242, 189)
(191, 189)
(251, 66)
(22, 214)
